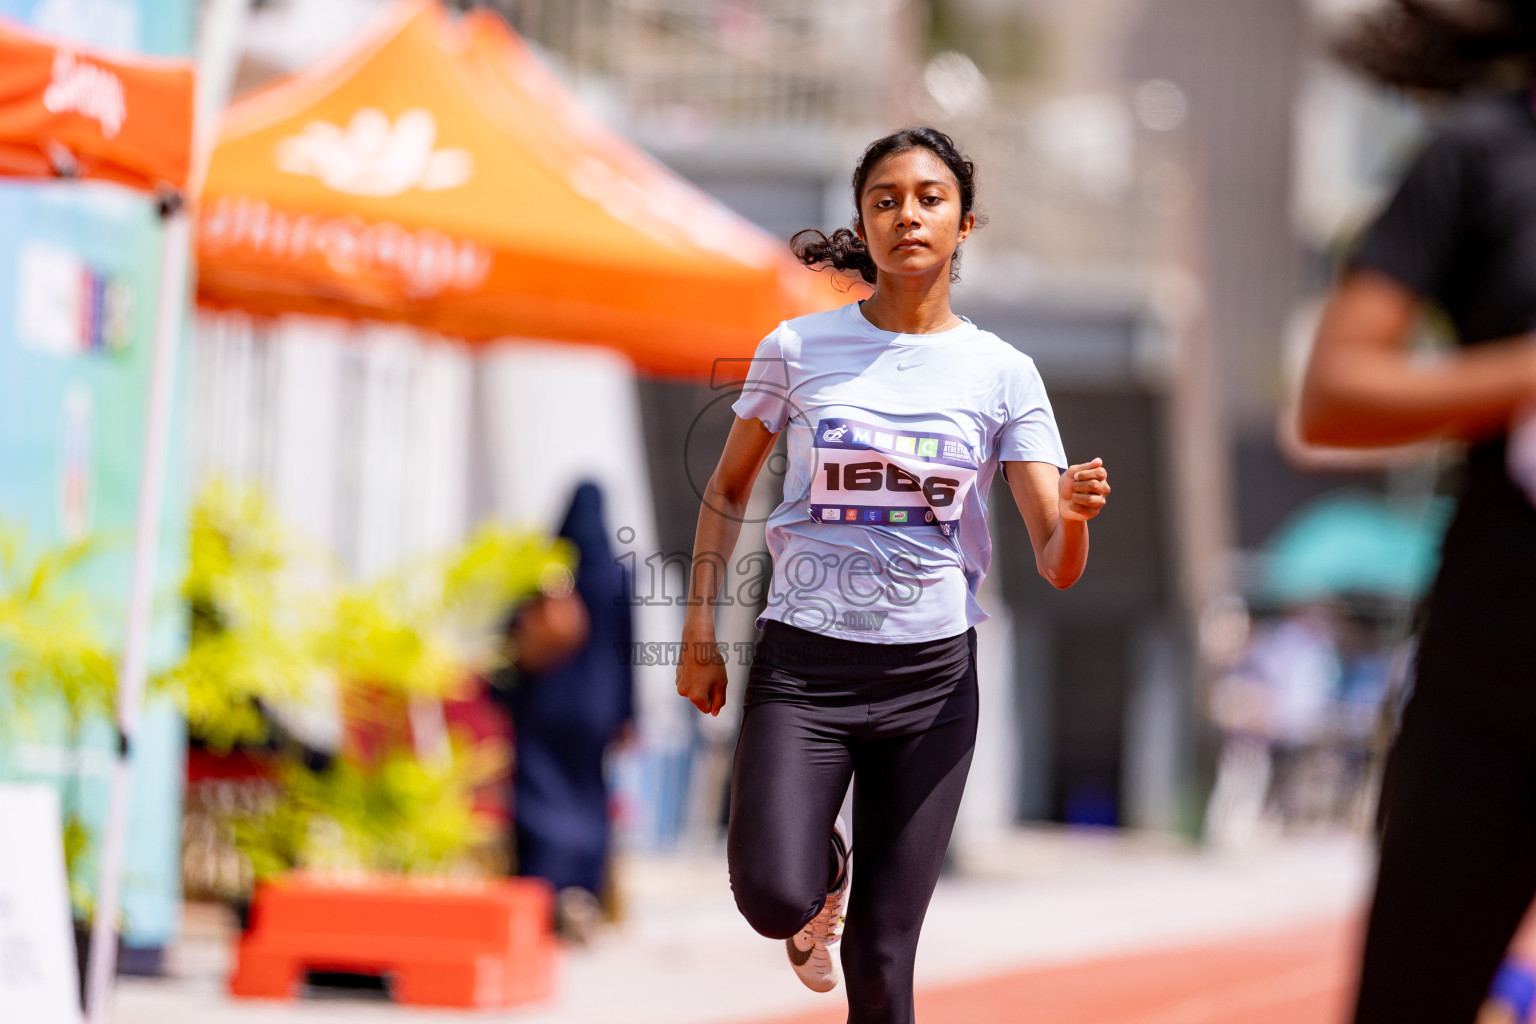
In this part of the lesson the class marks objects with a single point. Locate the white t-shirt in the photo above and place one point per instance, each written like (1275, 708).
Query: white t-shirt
(893, 440)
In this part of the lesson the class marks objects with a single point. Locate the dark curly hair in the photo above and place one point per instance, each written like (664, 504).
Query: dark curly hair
(843, 249)
(1448, 47)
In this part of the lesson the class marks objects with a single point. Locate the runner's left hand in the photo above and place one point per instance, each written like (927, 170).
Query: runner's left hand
(1083, 491)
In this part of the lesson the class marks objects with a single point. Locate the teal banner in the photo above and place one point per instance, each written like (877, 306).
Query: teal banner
(161, 27)
(78, 288)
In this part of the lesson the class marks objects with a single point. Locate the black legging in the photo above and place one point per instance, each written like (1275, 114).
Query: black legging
(1458, 869)
(900, 719)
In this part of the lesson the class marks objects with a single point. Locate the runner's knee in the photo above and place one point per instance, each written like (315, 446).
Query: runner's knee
(773, 907)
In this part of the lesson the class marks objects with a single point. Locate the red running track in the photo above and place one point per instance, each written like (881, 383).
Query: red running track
(1299, 976)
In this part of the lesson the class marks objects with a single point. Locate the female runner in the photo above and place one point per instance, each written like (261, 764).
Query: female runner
(1458, 811)
(899, 413)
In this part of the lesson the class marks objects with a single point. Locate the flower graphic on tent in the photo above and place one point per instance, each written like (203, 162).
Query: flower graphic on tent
(374, 157)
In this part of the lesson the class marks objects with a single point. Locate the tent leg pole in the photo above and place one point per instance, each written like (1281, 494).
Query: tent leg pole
(146, 548)
(218, 54)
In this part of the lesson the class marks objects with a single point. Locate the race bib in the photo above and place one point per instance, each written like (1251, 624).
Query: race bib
(875, 476)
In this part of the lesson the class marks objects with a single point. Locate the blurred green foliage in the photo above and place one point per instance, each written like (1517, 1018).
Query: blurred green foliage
(49, 639)
(255, 623)
(80, 866)
(400, 815)
(51, 649)
(272, 616)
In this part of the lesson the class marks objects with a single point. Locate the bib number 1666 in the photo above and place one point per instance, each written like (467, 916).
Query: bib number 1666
(876, 476)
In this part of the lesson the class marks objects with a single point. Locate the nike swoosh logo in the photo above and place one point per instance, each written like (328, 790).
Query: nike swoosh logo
(905, 366)
(797, 956)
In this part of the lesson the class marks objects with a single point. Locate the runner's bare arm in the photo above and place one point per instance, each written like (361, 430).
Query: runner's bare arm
(747, 447)
(1364, 388)
(1056, 508)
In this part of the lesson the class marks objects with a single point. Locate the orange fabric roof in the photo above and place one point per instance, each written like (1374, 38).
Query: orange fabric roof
(69, 112)
(437, 175)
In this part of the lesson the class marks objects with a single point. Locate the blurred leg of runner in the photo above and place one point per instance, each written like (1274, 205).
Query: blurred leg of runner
(790, 774)
(906, 797)
(1458, 871)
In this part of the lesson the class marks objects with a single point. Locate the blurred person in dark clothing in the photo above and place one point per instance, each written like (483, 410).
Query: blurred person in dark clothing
(1458, 806)
(570, 698)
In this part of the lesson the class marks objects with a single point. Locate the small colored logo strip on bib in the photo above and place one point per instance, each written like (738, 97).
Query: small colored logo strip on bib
(880, 515)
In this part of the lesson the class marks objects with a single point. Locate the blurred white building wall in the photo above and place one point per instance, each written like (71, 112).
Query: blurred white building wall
(447, 421)
(358, 433)
(227, 370)
(409, 432)
(308, 359)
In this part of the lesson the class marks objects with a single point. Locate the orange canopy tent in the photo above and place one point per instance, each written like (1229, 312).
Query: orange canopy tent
(437, 175)
(68, 112)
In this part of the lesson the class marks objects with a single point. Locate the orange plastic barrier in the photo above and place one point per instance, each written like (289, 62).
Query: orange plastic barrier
(474, 944)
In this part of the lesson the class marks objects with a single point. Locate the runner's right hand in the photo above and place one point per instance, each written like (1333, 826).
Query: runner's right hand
(701, 674)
